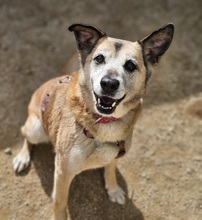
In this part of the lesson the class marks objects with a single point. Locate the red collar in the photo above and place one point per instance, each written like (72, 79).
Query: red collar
(104, 120)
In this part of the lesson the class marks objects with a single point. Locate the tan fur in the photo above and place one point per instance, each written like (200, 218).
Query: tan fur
(63, 107)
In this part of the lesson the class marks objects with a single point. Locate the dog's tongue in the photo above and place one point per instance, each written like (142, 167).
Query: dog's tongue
(106, 101)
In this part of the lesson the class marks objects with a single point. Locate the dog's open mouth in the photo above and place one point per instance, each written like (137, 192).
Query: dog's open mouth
(107, 105)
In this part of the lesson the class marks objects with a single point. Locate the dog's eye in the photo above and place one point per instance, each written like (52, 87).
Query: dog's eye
(130, 66)
(99, 59)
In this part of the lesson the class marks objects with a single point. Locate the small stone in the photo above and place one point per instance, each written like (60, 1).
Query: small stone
(8, 151)
(197, 158)
(144, 175)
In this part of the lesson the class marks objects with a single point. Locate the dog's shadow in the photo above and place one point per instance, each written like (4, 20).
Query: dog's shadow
(88, 198)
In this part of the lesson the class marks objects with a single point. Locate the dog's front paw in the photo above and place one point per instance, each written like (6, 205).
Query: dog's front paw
(21, 161)
(117, 195)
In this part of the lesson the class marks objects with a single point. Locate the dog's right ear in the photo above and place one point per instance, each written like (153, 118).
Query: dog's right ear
(87, 37)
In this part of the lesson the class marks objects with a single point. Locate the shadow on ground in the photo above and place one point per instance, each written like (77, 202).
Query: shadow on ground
(88, 198)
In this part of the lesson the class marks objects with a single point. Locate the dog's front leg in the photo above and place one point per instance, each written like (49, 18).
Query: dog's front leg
(62, 180)
(115, 192)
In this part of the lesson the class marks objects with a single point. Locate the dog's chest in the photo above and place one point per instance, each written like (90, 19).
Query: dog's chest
(88, 153)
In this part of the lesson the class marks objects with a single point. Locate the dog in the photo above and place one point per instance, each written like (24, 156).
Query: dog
(89, 115)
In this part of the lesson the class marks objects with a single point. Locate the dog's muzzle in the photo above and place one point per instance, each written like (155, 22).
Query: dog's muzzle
(105, 103)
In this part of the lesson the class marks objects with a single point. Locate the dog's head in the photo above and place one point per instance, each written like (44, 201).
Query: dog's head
(115, 72)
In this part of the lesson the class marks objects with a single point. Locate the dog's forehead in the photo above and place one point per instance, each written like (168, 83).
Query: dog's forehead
(119, 46)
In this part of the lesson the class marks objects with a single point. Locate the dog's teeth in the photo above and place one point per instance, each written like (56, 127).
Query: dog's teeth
(104, 107)
(98, 100)
(113, 105)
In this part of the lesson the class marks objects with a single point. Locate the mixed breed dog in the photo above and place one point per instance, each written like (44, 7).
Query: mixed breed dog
(89, 115)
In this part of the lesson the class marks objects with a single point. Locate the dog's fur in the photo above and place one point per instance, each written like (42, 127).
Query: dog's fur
(69, 110)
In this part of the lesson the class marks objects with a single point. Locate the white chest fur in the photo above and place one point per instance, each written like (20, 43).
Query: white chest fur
(90, 153)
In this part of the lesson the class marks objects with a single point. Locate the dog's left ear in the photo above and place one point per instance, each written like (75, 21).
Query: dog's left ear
(156, 44)
(87, 37)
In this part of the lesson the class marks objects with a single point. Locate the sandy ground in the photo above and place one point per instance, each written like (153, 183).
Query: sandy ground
(162, 175)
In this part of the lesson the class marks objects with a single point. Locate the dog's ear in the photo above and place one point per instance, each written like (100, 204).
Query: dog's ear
(87, 37)
(156, 44)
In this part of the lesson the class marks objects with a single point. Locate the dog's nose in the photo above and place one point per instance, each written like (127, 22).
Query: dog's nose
(109, 84)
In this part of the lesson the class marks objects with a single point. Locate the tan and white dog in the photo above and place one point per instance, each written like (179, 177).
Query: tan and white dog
(89, 116)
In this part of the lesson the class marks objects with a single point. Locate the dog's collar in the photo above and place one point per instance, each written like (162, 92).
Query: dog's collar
(104, 120)
(119, 144)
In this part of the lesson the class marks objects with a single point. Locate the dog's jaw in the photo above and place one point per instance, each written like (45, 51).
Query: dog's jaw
(106, 105)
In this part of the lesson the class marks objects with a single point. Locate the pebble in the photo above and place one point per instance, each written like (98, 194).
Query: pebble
(8, 151)
(197, 159)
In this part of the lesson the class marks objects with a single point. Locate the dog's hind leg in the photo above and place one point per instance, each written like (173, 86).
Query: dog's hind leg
(33, 133)
(115, 192)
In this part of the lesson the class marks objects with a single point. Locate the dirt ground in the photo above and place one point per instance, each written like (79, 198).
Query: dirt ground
(162, 174)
